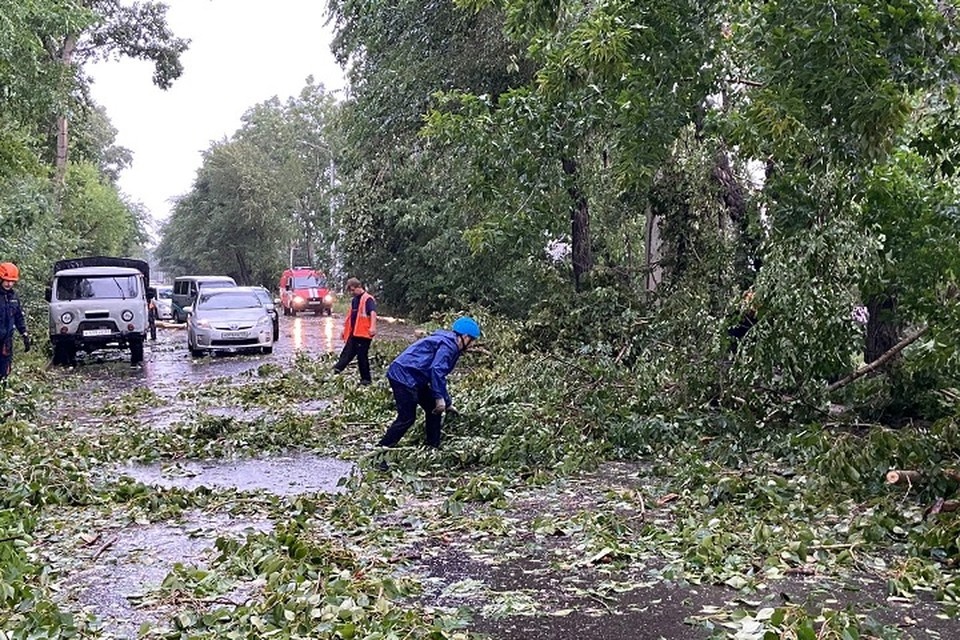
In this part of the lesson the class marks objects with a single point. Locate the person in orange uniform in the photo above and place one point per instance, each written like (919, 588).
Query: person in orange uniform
(11, 317)
(358, 330)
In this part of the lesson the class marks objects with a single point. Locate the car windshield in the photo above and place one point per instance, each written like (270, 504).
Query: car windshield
(97, 287)
(264, 295)
(309, 282)
(227, 300)
(165, 292)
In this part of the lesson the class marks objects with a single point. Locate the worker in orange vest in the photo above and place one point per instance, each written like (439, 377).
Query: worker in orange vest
(358, 330)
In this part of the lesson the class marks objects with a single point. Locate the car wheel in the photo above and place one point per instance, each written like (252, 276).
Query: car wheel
(136, 351)
(61, 354)
(276, 330)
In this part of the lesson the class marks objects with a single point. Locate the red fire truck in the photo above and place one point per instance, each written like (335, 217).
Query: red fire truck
(305, 289)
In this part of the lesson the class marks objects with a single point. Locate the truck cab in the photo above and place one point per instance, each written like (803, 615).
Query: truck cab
(305, 289)
(98, 302)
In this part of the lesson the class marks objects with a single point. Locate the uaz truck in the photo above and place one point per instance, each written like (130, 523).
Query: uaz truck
(98, 302)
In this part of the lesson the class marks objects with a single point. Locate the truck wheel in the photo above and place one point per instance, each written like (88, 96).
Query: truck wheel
(63, 354)
(136, 350)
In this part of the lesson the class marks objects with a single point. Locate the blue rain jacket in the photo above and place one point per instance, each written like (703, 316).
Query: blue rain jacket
(11, 314)
(427, 362)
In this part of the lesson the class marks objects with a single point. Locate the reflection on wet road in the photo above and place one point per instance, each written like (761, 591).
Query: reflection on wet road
(168, 366)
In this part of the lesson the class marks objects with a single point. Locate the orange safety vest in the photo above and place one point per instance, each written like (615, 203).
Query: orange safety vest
(362, 330)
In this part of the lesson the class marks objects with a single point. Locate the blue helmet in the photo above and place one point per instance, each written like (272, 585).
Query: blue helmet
(466, 326)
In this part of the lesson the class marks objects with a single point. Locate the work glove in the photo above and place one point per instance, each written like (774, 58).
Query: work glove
(26, 343)
(440, 406)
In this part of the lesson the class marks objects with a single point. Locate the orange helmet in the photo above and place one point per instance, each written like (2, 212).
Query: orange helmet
(9, 271)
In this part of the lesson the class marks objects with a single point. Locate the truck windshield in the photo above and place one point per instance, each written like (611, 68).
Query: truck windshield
(309, 282)
(97, 287)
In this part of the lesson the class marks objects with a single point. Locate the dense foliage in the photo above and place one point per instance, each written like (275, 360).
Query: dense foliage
(58, 192)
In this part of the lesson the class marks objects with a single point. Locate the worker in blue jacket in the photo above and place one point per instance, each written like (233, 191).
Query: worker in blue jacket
(11, 317)
(418, 376)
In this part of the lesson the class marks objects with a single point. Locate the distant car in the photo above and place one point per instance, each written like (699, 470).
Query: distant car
(228, 319)
(185, 290)
(164, 301)
(266, 299)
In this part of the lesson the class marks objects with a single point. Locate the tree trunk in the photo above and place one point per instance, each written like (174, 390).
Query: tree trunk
(883, 331)
(653, 251)
(63, 139)
(579, 227)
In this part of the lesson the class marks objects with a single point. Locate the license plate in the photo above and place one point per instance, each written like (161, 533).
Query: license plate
(96, 332)
(233, 335)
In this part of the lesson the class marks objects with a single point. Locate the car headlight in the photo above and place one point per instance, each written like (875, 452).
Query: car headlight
(297, 300)
(203, 323)
(265, 320)
(126, 315)
(66, 317)
(328, 298)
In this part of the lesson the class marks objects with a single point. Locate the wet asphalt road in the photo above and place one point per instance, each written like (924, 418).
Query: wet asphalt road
(168, 366)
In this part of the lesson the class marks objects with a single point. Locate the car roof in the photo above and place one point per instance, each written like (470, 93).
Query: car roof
(254, 289)
(99, 271)
(218, 290)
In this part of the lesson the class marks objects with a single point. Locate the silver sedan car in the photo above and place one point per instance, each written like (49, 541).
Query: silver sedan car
(228, 319)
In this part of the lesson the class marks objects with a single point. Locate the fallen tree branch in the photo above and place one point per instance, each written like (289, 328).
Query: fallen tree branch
(879, 362)
(903, 476)
(109, 543)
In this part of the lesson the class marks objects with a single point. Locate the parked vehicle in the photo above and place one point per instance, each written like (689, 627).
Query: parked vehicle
(98, 302)
(228, 319)
(305, 289)
(164, 301)
(268, 302)
(185, 290)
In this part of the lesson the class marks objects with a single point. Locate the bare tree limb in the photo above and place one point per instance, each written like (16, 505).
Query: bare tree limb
(879, 362)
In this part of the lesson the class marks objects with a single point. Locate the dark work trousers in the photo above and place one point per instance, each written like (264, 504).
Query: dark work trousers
(357, 348)
(407, 399)
(6, 357)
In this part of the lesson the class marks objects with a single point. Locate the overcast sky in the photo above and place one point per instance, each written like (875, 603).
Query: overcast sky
(242, 52)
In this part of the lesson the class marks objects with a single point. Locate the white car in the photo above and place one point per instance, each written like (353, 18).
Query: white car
(270, 304)
(164, 301)
(228, 319)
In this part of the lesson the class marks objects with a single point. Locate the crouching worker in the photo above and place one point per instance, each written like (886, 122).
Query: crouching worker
(418, 376)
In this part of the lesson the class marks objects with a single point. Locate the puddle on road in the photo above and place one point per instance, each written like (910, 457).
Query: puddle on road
(288, 475)
(134, 560)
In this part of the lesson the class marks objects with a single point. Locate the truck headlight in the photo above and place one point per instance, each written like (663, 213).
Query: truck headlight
(126, 315)
(328, 299)
(66, 317)
(297, 300)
